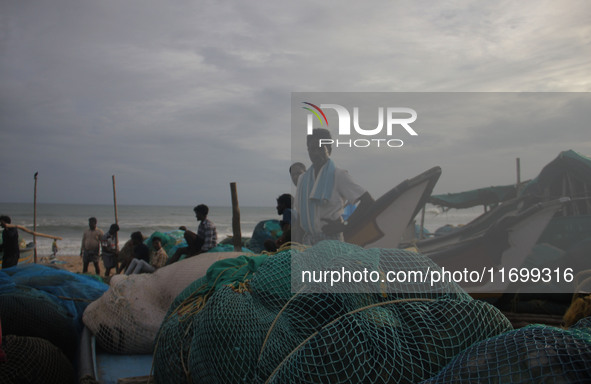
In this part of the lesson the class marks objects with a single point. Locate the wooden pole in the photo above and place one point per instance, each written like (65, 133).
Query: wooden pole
(35, 220)
(25, 229)
(518, 165)
(115, 208)
(236, 234)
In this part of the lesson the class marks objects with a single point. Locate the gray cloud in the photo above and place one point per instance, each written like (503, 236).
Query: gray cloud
(177, 99)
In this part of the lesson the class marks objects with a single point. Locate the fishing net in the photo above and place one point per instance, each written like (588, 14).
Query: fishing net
(400, 342)
(34, 360)
(171, 241)
(126, 319)
(70, 290)
(228, 248)
(533, 354)
(263, 231)
(242, 323)
(30, 312)
(181, 326)
(46, 302)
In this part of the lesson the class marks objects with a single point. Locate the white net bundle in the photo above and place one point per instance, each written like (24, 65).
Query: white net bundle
(126, 319)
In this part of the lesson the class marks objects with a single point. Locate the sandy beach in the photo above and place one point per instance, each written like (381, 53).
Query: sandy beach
(72, 263)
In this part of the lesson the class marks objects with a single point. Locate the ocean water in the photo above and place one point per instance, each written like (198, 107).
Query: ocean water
(69, 221)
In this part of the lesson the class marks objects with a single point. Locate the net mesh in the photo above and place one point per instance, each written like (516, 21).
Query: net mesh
(395, 342)
(34, 360)
(533, 354)
(46, 302)
(30, 312)
(242, 323)
(71, 291)
(126, 319)
(263, 231)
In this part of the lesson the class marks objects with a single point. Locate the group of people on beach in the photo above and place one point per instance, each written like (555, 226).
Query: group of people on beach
(318, 213)
(141, 259)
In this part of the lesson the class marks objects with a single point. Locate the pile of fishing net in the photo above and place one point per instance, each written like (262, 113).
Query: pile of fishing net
(263, 231)
(43, 306)
(126, 319)
(170, 241)
(533, 354)
(33, 360)
(242, 323)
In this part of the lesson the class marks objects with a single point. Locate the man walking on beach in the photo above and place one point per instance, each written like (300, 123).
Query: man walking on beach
(110, 249)
(91, 243)
(205, 239)
(323, 192)
(9, 244)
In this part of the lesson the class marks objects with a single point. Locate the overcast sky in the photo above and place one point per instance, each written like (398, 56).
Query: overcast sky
(179, 98)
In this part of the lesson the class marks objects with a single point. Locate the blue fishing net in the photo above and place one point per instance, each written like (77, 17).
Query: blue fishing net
(45, 302)
(31, 312)
(70, 290)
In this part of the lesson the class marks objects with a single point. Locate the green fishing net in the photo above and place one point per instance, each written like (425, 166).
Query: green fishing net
(391, 342)
(533, 354)
(242, 323)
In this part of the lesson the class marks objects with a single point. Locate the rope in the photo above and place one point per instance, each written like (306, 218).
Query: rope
(290, 245)
(75, 299)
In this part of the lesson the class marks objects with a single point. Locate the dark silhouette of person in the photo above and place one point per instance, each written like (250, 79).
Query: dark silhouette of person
(9, 245)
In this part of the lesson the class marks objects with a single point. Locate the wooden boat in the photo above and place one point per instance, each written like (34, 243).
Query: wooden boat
(487, 197)
(27, 255)
(505, 244)
(472, 229)
(569, 174)
(385, 222)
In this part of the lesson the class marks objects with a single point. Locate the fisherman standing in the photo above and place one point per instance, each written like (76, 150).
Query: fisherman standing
(9, 244)
(323, 191)
(91, 244)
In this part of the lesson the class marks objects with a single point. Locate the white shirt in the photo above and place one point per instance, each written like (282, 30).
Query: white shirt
(345, 190)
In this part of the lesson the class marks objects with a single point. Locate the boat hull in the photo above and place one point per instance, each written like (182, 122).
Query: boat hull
(27, 255)
(506, 244)
(386, 221)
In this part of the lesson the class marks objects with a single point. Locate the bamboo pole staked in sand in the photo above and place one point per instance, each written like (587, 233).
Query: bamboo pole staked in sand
(35, 220)
(518, 171)
(116, 216)
(236, 234)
